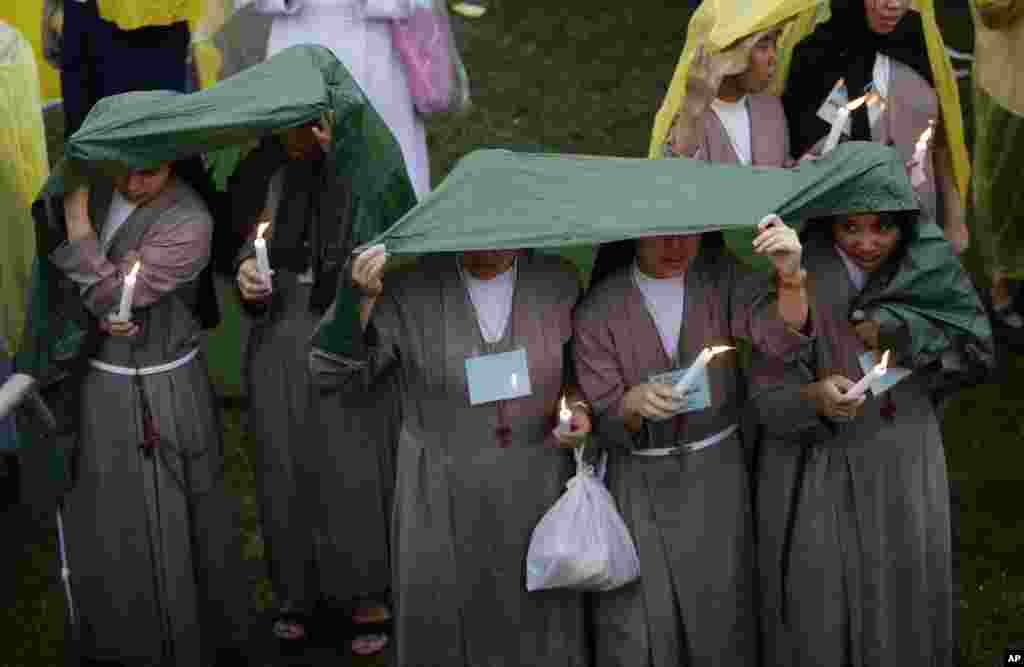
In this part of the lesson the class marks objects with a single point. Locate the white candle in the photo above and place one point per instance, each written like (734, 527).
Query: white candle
(124, 311)
(879, 369)
(699, 364)
(262, 260)
(564, 419)
(917, 175)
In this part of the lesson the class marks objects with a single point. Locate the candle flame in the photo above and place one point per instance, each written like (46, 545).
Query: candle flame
(262, 228)
(884, 363)
(564, 411)
(856, 104)
(720, 349)
(135, 269)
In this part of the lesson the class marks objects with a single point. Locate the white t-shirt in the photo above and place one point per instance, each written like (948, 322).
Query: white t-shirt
(120, 210)
(735, 119)
(492, 301)
(665, 299)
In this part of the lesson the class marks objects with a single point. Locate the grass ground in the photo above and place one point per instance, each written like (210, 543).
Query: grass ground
(587, 77)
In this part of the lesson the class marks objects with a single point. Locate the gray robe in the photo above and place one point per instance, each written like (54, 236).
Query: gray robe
(466, 503)
(307, 482)
(153, 542)
(867, 564)
(689, 514)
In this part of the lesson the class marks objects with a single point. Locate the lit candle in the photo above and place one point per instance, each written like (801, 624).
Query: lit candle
(262, 260)
(124, 311)
(917, 175)
(699, 364)
(564, 419)
(843, 117)
(879, 369)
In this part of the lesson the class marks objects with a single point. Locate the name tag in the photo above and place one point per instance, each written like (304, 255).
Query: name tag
(894, 375)
(830, 107)
(698, 394)
(498, 377)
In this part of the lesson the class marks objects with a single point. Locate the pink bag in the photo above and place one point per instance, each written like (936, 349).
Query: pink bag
(434, 71)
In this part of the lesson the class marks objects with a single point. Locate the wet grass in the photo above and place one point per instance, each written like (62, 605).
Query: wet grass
(587, 77)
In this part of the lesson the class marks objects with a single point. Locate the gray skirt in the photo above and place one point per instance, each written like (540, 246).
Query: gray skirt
(152, 535)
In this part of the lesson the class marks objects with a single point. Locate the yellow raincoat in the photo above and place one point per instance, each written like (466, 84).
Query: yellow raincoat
(23, 170)
(999, 133)
(719, 24)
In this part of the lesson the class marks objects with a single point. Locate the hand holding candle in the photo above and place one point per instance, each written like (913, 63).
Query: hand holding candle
(843, 117)
(698, 366)
(861, 388)
(262, 260)
(573, 426)
(564, 419)
(124, 311)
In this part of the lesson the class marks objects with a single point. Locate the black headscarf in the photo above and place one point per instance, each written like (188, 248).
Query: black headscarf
(844, 47)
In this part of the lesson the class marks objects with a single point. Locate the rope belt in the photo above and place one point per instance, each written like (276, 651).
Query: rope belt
(689, 447)
(147, 370)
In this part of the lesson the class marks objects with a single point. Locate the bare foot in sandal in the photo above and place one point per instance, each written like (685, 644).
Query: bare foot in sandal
(369, 644)
(377, 620)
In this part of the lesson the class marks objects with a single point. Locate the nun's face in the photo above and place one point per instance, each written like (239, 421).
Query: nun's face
(761, 71)
(141, 186)
(868, 239)
(666, 256)
(300, 143)
(885, 15)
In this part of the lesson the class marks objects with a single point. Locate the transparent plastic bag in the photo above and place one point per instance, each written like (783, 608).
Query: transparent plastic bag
(436, 76)
(582, 543)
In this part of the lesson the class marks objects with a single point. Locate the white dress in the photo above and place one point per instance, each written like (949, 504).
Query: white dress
(364, 46)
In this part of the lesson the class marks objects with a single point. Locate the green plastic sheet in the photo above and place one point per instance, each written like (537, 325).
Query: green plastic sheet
(144, 129)
(499, 199)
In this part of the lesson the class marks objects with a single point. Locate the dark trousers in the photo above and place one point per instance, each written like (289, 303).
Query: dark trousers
(98, 59)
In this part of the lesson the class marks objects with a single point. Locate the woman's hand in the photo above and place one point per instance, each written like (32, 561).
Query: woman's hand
(367, 270)
(780, 242)
(579, 429)
(649, 401)
(830, 400)
(76, 214)
(251, 283)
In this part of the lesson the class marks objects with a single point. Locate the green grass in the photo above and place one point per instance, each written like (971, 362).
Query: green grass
(587, 76)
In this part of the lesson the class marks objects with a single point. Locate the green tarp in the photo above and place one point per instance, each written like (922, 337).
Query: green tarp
(144, 129)
(498, 199)
(502, 199)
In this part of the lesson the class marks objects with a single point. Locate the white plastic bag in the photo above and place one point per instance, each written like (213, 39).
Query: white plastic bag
(582, 543)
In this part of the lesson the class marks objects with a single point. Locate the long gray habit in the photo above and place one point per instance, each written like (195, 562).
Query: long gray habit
(467, 500)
